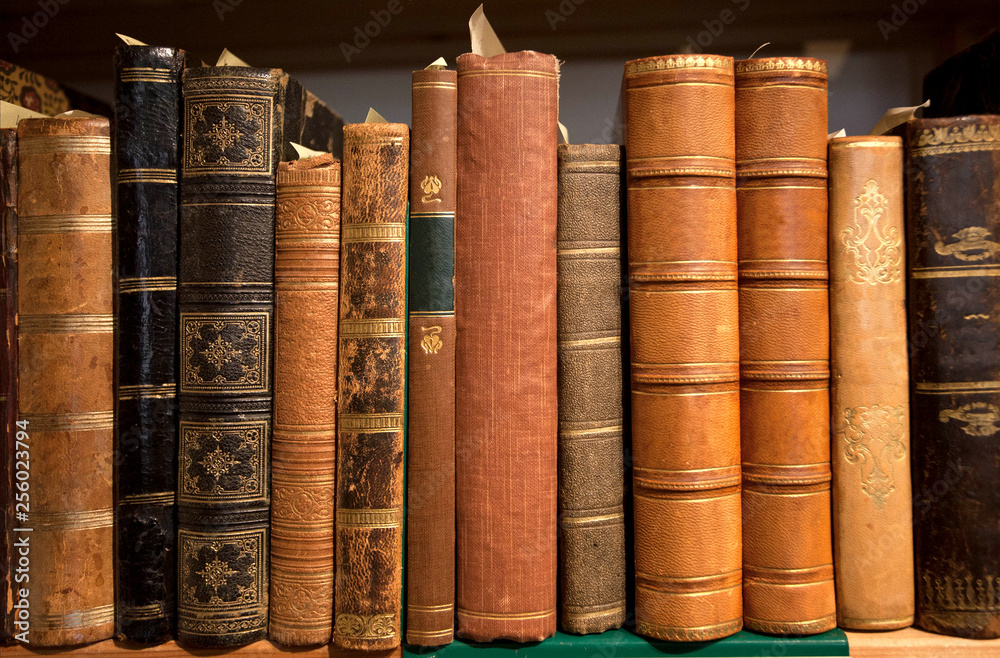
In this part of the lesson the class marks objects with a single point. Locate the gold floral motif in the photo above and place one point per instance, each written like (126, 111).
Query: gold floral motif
(431, 185)
(679, 62)
(365, 627)
(227, 134)
(314, 214)
(221, 573)
(980, 418)
(960, 592)
(874, 438)
(780, 64)
(223, 461)
(873, 247)
(972, 245)
(216, 574)
(957, 139)
(431, 342)
(217, 463)
(223, 352)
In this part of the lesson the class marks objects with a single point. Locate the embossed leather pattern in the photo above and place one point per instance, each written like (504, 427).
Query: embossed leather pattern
(65, 389)
(684, 346)
(430, 512)
(147, 211)
(591, 472)
(237, 125)
(372, 371)
(506, 428)
(953, 249)
(8, 369)
(781, 117)
(869, 400)
(303, 455)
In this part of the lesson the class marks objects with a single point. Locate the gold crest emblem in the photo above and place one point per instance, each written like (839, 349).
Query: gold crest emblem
(431, 342)
(972, 245)
(980, 418)
(431, 185)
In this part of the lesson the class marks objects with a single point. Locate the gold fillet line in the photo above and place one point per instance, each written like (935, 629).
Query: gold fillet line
(810, 85)
(679, 157)
(87, 420)
(161, 498)
(450, 213)
(864, 144)
(512, 72)
(619, 609)
(721, 469)
(609, 340)
(507, 615)
(147, 170)
(87, 144)
(691, 579)
(140, 78)
(746, 188)
(369, 518)
(638, 188)
(571, 521)
(370, 422)
(791, 624)
(680, 395)
(591, 163)
(104, 614)
(589, 250)
(590, 431)
(147, 284)
(280, 285)
(432, 314)
(430, 608)
(786, 390)
(687, 630)
(862, 620)
(188, 204)
(237, 284)
(121, 180)
(79, 520)
(141, 616)
(435, 85)
(394, 232)
(953, 148)
(147, 388)
(293, 190)
(145, 68)
(948, 387)
(371, 328)
(429, 634)
(681, 84)
(64, 323)
(955, 273)
(36, 224)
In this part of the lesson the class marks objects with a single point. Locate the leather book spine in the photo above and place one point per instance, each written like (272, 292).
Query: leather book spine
(781, 195)
(869, 397)
(372, 379)
(953, 249)
(683, 302)
(147, 211)
(233, 139)
(8, 375)
(591, 468)
(507, 424)
(303, 454)
(430, 511)
(65, 390)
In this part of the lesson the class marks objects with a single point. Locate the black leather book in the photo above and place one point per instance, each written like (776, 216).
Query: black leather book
(8, 374)
(238, 122)
(966, 83)
(147, 163)
(953, 236)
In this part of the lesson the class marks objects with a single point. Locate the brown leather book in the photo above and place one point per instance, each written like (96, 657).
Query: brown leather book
(65, 393)
(372, 362)
(430, 453)
(685, 346)
(781, 116)
(303, 453)
(869, 398)
(953, 254)
(506, 427)
(591, 475)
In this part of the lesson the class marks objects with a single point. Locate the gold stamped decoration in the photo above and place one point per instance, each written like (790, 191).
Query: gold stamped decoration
(223, 461)
(369, 518)
(874, 249)
(227, 134)
(431, 342)
(957, 139)
(978, 418)
(874, 441)
(431, 186)
(972, 245)
(365, 627)
(225, 352)
(389, 232)
(222, 572)
(678, 62)
(959, 592)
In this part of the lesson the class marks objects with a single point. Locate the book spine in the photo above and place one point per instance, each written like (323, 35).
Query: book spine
(372, 373)
(303, 456)
(147, 211)
(233, 139)
(953, 249)
(591, 469)
(784, 345)
(684, 376)
(430, 511)
(65, 388)
(506, 431)
(8, 373)
(869, 396)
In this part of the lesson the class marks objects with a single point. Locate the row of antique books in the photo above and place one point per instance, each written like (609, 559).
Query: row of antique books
(215, 348)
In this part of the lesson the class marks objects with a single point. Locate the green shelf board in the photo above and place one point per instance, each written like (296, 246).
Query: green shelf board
(622, 643)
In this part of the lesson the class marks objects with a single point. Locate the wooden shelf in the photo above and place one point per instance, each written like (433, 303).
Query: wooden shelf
(915, 643)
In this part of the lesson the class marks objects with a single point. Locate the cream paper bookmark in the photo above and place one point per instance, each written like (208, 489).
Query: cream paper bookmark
(895, 116)
(304, 152)
(10, 114)
(374, 117)
(129, 41)
(229, 59)
(438, 64)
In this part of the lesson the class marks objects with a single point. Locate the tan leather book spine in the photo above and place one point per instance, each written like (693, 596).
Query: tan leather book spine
(506, 428)
(65, 389)
(372, 374)
(685, 346)
(591, 469)
(430, 452)
(303, 452)
(781, 117)
(869, 397)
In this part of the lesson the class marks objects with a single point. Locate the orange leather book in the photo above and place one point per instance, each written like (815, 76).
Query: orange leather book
(869, 398)
(303, 452)
(430, 453)
(505, 372)
(685, 346)
(65, 395)
(371, 367)
(781, 116)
